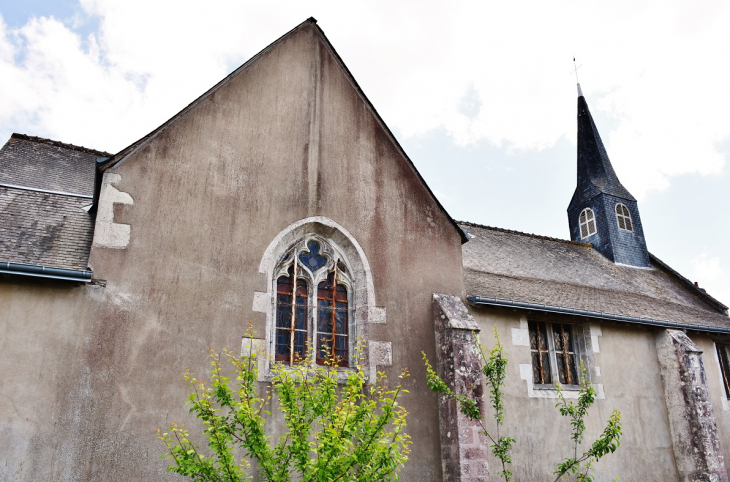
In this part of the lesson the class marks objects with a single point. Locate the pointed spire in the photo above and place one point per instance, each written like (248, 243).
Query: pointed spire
(601, 205)
(595, 172)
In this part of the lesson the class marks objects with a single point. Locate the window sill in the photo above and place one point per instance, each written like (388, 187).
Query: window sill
(565, 388)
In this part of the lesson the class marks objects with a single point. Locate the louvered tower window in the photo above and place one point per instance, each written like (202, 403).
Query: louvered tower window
(624, 217)
(587, 222)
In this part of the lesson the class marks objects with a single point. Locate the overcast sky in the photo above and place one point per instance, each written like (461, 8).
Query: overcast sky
(480, 94)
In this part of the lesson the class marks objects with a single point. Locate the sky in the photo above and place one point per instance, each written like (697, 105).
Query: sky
(480, 94)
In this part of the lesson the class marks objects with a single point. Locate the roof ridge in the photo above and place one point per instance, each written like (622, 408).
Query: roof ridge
(43, 140)
(529, 235)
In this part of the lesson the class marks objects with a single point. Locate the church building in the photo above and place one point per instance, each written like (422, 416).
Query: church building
(279, 198)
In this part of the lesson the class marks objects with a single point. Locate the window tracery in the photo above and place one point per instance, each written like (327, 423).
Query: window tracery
(321, 310)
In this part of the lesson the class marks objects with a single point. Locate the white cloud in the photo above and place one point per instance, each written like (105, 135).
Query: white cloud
(710, 275)
(656, 70)
(707, 268)
(655, 74)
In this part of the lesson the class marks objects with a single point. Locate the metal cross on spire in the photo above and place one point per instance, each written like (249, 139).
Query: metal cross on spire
(575, 71)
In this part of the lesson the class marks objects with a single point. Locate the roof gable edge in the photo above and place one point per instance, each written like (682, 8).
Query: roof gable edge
(127, 152)
(462, 234)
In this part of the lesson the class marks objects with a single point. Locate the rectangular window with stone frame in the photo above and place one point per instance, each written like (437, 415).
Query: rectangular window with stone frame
(555, 354)
(723, 356)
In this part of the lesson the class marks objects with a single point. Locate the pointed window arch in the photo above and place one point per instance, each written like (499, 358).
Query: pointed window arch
(587, 222)
(623, 216)
(322, 307)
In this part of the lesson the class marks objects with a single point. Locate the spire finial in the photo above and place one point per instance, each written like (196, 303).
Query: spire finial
(575, 71)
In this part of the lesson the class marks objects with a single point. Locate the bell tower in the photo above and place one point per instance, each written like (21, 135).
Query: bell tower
(602, 212)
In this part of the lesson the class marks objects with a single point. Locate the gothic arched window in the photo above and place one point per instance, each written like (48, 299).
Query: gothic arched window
(319, 304)
(587, 221)
(623, 216)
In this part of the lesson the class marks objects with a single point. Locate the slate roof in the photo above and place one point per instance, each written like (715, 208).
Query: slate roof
(49, 165)
(509, 265)
(44, 229)
(41, 228)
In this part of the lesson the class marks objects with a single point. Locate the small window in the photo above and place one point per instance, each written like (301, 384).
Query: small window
(624, 217)
(553, 352)
(587, 223)
(722, 356)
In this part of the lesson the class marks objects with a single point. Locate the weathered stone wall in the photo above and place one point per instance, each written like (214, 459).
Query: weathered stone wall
(716, 389)
(464, 448)
(91, 371)
(691, 417)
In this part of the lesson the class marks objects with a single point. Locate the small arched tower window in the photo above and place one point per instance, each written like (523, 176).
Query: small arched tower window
(624, 217)
(587, 222)
(323, 277)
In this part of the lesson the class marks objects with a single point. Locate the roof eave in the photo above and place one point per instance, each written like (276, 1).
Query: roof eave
(496, 302)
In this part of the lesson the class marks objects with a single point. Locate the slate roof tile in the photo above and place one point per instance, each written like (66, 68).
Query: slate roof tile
(41, 228)
(44, 229)
(49, 165)
(535, 269)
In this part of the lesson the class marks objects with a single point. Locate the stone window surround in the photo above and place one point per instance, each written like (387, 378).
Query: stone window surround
(363, 303)
(586, 345)
(333, 256)
(552, 351)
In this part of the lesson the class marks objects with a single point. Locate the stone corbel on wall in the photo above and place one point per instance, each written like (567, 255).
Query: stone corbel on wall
(464, 450)
(691, 419)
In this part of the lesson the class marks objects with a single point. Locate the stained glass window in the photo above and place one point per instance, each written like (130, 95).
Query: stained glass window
(540, 354)
(312, 259)
(553, 354)
(332, 321)
(316, 313)
(565, 354)
(291, 339)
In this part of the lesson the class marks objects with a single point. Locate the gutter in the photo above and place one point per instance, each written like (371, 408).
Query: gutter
(45, 272)
(482, 301)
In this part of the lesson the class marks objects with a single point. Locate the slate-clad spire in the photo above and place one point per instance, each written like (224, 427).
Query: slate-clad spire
(595, 172)
(613, 225)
